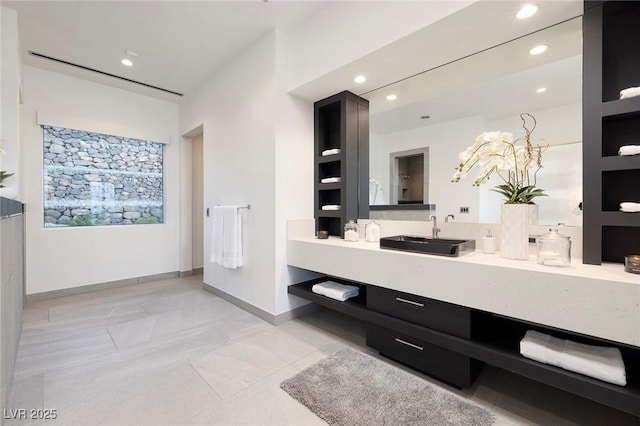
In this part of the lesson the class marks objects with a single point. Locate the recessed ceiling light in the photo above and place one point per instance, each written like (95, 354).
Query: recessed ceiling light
(392, 97)
(127, 62)
(527, 11)
(541, 90)
(360, 79)
(541, 48)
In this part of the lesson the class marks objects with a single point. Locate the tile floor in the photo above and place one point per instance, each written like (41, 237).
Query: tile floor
(169, 353)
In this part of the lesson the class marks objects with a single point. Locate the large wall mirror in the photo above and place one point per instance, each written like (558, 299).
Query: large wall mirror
(443, 110)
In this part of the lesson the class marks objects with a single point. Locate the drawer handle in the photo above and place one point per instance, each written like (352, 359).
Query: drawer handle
(411, 302)
(404, 342)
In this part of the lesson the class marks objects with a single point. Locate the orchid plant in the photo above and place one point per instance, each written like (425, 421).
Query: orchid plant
(517, 165)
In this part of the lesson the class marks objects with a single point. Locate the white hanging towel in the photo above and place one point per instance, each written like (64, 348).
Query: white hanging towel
(226, 237)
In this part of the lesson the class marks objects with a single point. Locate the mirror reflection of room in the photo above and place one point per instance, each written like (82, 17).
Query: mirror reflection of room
(444, 109)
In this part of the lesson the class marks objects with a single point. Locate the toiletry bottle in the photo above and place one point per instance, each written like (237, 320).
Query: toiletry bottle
(489, 243)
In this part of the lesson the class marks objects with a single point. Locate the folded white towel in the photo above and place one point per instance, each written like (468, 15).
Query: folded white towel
(630, 207)
(629, 150)
(335, 290)
(630, 92)
(534, 346)
(330, 152)
(600, 362)
(330, 180)
(331, 207)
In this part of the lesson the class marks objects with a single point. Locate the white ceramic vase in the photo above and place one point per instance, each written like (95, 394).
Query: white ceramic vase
(514, 231)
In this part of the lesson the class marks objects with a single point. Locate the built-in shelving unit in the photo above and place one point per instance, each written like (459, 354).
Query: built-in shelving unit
(611, 64)
(493, 340)
(341, 122)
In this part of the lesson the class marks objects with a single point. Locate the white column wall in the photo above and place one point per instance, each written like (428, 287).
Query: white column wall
(294, 175)
(236, 108)
(70, 257)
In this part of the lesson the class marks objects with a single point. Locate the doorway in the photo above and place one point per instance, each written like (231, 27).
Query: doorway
(409, 176)
(197, 204)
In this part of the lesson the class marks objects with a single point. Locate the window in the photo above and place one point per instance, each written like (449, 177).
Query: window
(96, 179)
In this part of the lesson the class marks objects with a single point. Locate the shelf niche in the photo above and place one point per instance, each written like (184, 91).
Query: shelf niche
(611, 64)
(341, 122)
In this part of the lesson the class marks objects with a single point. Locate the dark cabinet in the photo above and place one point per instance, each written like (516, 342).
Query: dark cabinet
(445, 365)
(412, 349)
(611, 64)
(449, 318)
(433, 339)
(341, 122)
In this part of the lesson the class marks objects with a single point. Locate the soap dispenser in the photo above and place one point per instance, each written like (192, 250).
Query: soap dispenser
(489, 243)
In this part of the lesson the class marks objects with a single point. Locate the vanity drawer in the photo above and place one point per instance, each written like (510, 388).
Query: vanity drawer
(441, 316)
(449, 367)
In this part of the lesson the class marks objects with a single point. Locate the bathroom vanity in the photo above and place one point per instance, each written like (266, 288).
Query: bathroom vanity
(446, 316)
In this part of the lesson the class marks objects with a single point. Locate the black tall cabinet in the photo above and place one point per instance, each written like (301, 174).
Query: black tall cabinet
(341, 122)
(611, 36)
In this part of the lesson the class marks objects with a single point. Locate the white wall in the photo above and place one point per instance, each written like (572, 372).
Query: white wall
(236, 110)
(10, 78)
(294, 174)
(197, 208)
(258, 149)
(70, 257)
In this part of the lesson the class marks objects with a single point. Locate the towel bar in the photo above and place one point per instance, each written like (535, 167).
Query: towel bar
(248, 207)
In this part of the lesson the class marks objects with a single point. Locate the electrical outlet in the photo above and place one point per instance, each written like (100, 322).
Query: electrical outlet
(464, 209)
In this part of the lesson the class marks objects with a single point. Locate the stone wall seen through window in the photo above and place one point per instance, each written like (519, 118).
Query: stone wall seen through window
(96, 179)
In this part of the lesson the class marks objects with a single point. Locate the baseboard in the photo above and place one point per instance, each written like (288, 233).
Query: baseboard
(300, 311)
(35, 297)
(194, 271)
(262, 314)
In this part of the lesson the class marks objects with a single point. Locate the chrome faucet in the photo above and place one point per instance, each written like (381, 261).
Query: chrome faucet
(435, 229)
(446, 219)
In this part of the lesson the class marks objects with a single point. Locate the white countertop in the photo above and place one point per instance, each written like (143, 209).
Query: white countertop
(601, 301)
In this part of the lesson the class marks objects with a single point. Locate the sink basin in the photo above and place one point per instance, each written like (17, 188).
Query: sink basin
(426, 245)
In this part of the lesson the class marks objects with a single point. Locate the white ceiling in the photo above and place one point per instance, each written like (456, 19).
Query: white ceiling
(180, 43)
(479, 26)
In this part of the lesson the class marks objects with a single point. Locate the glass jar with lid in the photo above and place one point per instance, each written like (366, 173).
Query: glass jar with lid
(351, 231)
(372, 232)
(553, 249)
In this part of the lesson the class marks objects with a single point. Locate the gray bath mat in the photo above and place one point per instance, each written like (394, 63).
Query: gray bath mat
(351, 388)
